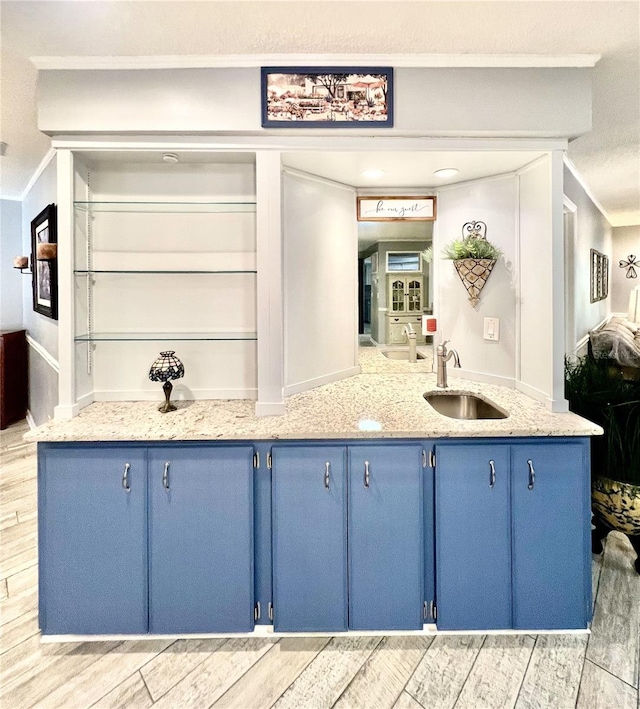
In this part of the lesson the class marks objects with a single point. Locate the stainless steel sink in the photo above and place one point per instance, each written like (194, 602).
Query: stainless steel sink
(463, 406)
(401, 354)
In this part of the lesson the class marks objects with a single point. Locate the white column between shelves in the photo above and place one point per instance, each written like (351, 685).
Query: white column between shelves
(558, 402)
(66, 407)
(269, 284)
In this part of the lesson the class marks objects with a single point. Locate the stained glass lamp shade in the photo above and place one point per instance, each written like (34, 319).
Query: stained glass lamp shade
(164, 369)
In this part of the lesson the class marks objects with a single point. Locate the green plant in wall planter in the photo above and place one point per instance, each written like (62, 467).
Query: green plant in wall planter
(473, 257)
(597, 390)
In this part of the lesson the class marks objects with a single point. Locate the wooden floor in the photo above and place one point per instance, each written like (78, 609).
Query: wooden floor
(473, 671)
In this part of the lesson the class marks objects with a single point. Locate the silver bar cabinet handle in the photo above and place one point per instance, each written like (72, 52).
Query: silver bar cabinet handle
(327, 465)
(366, 474)
(492, 476)
(125, 477)
(165, 476)
(532, 475)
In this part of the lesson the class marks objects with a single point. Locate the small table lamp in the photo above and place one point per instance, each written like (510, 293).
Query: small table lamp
(164, 369)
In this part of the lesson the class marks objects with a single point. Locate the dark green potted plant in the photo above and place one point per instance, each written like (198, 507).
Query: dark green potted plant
(597, 390)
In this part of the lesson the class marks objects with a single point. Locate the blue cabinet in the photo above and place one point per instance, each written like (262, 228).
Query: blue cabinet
(376, 581)
(309, 508)
(92, 539)
(550, 536)
(473, 548)
(146, 539)
(512, 526)
(201, 539)
(386, 537)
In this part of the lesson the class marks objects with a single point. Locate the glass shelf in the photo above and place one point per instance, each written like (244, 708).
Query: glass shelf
(84, 273)
(166, 207)
(164, 336)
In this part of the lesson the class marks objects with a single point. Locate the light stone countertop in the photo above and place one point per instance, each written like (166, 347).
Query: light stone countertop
(385, 401)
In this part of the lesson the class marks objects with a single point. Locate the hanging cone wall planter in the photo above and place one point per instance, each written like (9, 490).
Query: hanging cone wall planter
(474, 258)
(474, 273)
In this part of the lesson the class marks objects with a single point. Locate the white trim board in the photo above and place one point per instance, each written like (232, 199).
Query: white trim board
(303, 175)
(266, 631)
(226, 61)
(581, 181)
(320, 381)
(50, 154)
(46, 356)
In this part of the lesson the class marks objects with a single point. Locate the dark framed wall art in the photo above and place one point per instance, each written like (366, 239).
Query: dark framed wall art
(327, 97)
(44, 262)
(599, 280)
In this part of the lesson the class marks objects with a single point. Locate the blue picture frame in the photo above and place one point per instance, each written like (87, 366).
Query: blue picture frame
(345, 97)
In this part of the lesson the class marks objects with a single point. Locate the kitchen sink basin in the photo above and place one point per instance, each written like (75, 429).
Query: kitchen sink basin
(401, 354)
(463, 406)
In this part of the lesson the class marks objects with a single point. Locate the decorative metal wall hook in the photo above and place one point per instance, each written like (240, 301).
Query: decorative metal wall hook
(474, 230)
(630, 264)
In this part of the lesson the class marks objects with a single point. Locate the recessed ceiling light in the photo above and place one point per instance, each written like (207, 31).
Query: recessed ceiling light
(446, 172)
(170, 157)
(373, 172)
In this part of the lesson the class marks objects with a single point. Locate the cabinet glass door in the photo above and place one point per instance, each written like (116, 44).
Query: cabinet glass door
(397, 296)
(309, 538)
(551, 530)
(473, 537)
(201, 539)
(93, 540)
(386, 537)
(414, 296)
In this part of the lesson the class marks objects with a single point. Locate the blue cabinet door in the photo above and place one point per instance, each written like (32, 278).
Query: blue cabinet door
(473, 544)
(93, 540)
(201, 539)
(309, 538)
(386, 537)
(550, 519)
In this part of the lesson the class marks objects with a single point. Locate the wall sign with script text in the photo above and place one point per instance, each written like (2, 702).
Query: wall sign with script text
(392, 209)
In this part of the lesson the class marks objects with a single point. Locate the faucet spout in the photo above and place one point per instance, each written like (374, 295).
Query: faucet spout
(411, 337)
(444, 356)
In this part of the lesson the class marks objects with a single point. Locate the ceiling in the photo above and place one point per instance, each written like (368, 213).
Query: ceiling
(408, 169)
(608, 158)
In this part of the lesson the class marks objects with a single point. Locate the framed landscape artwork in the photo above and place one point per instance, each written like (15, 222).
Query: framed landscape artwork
(327, 97)
(45, 270)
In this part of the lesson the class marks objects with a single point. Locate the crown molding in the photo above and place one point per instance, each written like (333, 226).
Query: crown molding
(574, 171)
(207, 61)
(50, 154)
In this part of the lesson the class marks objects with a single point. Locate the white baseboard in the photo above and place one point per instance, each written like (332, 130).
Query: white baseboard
(267, 631)
(177, 395)
(481, 377)
(321, 381)
(558, 406)
(63, 412)
(30, 420)
(270, 408)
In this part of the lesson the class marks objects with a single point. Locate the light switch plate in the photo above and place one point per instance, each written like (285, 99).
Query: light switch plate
(492, 329)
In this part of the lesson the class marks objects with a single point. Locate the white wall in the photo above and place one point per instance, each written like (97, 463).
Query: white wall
(548, 102)
(43, 331)
(536, 278)
(320, 282)
(624, 242)
(492, 201)
(11, 279)
(593, 231)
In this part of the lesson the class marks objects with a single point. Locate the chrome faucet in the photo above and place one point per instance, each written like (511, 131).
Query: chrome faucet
(444, 356)
(411, 337)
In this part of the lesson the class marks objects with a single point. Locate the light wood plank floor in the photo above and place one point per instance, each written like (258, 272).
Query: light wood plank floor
(476, 672)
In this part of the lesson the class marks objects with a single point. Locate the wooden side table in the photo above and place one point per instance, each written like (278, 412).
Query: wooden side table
(13, 377)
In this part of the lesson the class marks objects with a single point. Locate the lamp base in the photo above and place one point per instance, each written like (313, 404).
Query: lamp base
(167, 406)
